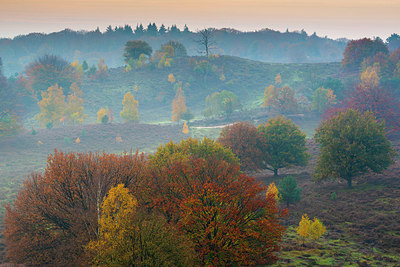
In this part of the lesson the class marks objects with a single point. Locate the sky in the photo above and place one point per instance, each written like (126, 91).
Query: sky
(350, 19)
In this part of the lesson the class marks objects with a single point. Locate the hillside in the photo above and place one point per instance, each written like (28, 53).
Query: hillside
(264, 45)
(246, 78)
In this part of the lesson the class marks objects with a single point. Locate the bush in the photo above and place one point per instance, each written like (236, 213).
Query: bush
(67, 140)
(49, 125)
(333, 196)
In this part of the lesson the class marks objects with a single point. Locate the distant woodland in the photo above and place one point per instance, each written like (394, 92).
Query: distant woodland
(264, 45)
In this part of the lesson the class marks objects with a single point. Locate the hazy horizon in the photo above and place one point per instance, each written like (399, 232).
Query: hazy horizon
(335, 19)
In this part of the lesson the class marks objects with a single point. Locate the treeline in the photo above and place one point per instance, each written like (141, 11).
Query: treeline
(265, 45)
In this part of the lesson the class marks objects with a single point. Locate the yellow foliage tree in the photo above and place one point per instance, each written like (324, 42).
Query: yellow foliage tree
(323, 99)
(273, 190)
(178, 105)
(369, 79)
(78, 140)
(268, 95)
(74, 110)
(52, 106)
(185, 128)
(171, 78)
(310, 229)
(113, 247)
(130, 110)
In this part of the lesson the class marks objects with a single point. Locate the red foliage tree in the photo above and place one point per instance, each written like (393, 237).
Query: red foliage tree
(358, 50)
(221, 209)
(370, 96)
(246, 142)
(56, 213)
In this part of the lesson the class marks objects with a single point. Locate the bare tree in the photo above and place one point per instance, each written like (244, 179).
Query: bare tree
(206, 40)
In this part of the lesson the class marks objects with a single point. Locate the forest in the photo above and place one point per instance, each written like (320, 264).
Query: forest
(165, 147)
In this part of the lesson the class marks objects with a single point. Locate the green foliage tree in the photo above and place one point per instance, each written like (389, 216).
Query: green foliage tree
(289, 191)
(221, 103)
(352, 143)
(133, 50)
(322, 99)
(285, 144)
(130, 110)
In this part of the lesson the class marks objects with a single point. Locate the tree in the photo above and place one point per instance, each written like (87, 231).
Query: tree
(273, 192)
(52, 106)
(178, 105)
(205, 40)
(171, 78)
(310, 229)
(220, 103)
(278, 79)
(179, 48)
(285, 144)
(289, 191)
(48, 71)
(218, 207)
(322, 99)
(185, 128)
(352, 143)
(130, 110)
(74, 108)
(280, 98)
(133, 50)
(104, 115)
(358, 50)
(370, 96)
(56, 213)
(246, 142)
(102, 70)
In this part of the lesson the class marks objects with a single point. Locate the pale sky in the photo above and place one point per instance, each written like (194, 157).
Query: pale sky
(335, 18)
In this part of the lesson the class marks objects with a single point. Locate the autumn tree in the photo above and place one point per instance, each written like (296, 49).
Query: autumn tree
(56, 213)
(52, 106)
(102, 70)
(130, 110)
(179, 48)
(221, 103)
(358, 50)
(278, 79)
(48, 71)
(178, 105)
(323, 99)
(273, 192)
(128, 237)
(281, 99)
(171, 78)
(289, 191)
(74, 107)
(104, 115)
(217, 206)
(369, 95)
(285, 144)
(133, 50)
(362, 146)
(310, 229)
(246, 142)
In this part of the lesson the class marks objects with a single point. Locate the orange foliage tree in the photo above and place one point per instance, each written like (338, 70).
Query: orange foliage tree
(178, 105)
(246, 142)
(56, 213)
(221, 209)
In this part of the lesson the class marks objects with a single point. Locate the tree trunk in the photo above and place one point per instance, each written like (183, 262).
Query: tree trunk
(275, 172)
(349, 185)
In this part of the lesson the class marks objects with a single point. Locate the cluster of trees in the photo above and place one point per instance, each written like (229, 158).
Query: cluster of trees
(277, 144)
(55, 110)
(266, 45)
(186, 204)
